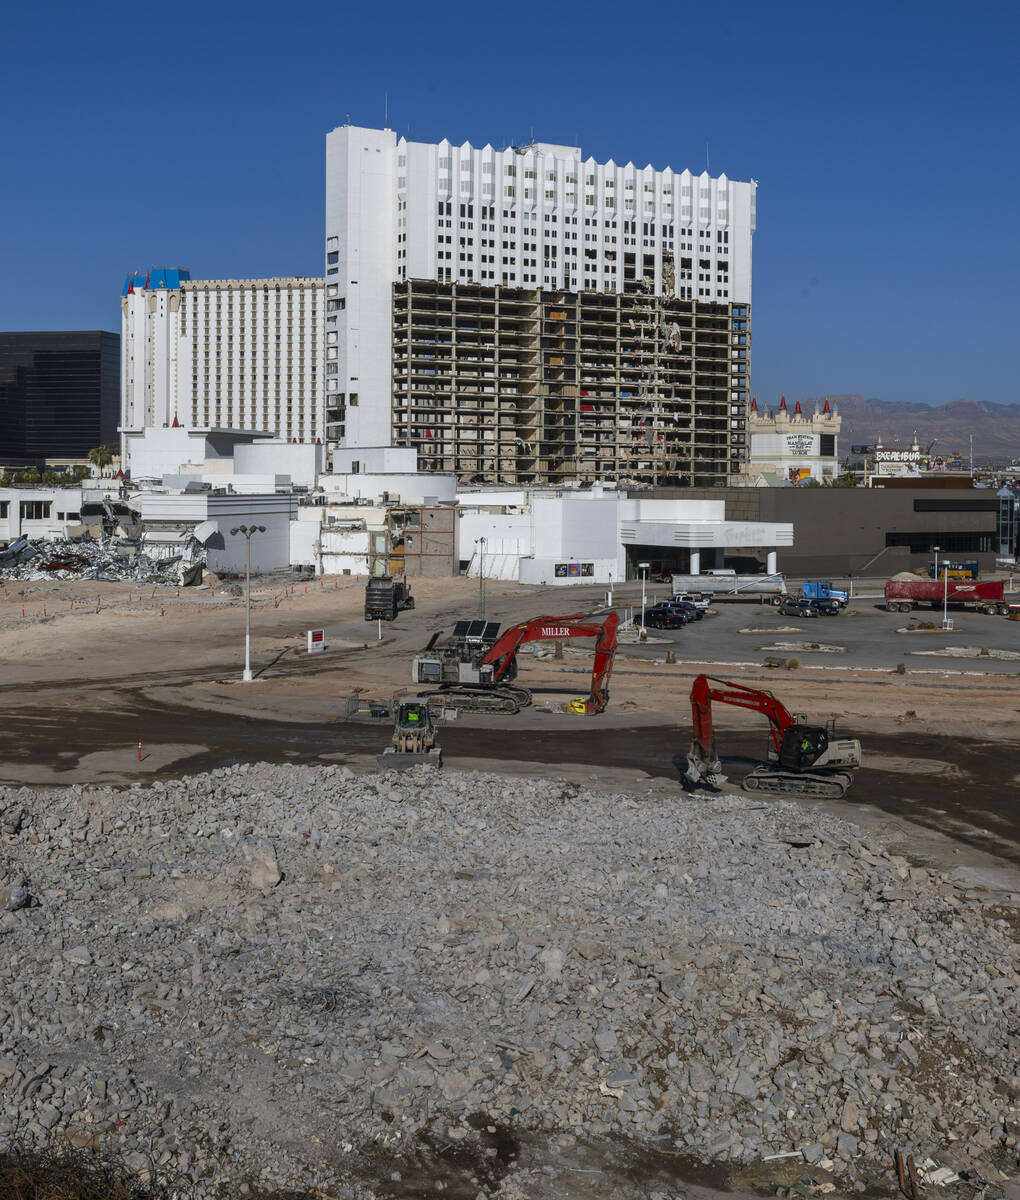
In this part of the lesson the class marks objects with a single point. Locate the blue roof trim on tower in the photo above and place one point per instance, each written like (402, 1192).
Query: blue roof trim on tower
(158, 277)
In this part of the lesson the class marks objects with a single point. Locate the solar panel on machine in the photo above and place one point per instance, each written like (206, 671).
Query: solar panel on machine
(477, 629)
(491, 631)
(461, 628)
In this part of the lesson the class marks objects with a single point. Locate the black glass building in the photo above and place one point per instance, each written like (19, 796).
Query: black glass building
(59, 394)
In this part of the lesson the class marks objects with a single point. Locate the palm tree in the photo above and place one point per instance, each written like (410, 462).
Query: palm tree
(101, 457)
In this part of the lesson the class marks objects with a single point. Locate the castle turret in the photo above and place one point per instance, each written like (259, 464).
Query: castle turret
(793, 446)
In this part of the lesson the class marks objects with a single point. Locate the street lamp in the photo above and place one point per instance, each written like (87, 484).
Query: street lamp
(945, 587)
(247, 530)
(481, 578)
(643, 568)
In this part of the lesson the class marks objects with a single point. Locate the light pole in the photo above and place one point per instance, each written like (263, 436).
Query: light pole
(643, 568)
(945, 587)
(480, 542)
(247, 530)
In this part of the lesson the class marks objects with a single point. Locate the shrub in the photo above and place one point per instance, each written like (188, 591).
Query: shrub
(792, 664)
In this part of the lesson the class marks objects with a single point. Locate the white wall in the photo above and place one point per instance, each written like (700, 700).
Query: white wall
(542, 571)
(345, 550)
(407, 489)
(159, 452)
(504, 533)
(379, 459)
(270, 551)
(242, 485)
(304, 543)
(64, 510)
(303, 462)
(361, 222)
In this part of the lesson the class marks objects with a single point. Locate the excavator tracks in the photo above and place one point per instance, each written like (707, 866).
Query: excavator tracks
(783, 783)
(503, 698)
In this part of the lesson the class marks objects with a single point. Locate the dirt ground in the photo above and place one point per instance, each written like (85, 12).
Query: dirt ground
(90, 670)
(113, 684)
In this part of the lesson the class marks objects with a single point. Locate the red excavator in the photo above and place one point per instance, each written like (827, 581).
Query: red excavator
(475, 668)
(803, 760)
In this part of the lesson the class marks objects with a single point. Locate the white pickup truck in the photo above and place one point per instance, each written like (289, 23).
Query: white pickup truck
(695, 598)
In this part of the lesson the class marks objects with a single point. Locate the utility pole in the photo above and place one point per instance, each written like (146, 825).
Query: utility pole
(480, 542)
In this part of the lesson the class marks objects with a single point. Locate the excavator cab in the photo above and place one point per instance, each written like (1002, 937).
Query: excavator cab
(803, 746)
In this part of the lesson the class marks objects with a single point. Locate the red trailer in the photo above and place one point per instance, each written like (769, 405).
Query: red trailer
(901, 595)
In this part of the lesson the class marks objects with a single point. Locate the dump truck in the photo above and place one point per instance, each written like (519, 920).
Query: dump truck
(385, 597)
(904, 594)
(768, 589)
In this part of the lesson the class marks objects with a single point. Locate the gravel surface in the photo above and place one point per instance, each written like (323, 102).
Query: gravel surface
(294, 975)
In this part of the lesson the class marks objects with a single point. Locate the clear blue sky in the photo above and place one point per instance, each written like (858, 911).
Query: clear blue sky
(883, 137)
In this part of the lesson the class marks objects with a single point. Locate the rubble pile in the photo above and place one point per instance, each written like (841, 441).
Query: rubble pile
(110, 560)
(283, 973)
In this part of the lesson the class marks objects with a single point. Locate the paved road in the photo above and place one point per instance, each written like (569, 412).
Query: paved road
(867, 635)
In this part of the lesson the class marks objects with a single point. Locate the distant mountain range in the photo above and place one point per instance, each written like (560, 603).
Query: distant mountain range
(996, 427)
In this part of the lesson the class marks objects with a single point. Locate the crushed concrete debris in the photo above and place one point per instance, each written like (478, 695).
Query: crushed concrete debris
(221, 974)
(111, 560)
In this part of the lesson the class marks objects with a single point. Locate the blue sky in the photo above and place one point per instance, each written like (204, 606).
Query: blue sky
(883, 138)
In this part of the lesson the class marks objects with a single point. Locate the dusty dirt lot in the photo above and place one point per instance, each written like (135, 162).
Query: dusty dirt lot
(79, 688)
(86, 675)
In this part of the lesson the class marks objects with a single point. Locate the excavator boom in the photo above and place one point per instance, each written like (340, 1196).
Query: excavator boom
(502, 656)
(736, 694)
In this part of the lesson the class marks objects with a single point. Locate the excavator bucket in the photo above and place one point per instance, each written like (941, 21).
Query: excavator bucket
(396, 760)
(700, 772)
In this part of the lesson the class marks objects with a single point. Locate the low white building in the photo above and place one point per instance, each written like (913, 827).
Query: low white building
(370, 472)
(600, 536)
(174, 516)
(38, 512)
(208, 452)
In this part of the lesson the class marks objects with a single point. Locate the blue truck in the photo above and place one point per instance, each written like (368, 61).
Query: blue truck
(816, 589)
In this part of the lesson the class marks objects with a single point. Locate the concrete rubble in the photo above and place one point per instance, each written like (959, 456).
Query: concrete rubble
(110, 560)
(281, 974)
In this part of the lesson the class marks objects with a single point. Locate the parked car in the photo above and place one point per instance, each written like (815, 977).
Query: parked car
(700, 602)
(797, 606)
(660, 616)
(828, 606)
(693, 612)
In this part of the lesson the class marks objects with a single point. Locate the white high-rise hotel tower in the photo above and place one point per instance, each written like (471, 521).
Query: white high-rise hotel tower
(529, 315)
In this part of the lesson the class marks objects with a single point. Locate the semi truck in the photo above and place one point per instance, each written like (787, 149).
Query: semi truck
(902, 595)
(816, 589)
(768, 589)
(385, 597)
